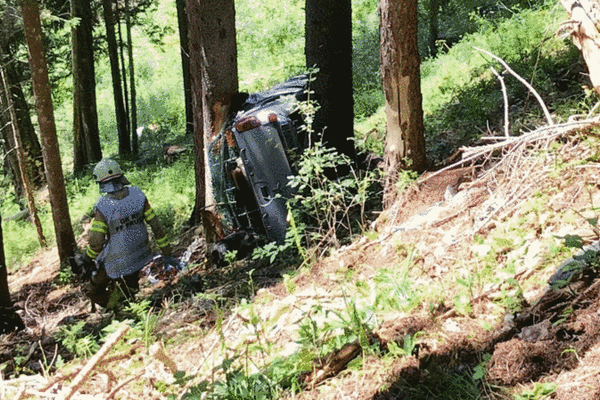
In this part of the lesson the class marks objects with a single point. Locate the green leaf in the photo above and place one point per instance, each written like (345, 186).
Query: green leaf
(573, 241)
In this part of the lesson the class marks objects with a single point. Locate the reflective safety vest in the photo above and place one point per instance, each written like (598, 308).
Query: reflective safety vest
(128, 248)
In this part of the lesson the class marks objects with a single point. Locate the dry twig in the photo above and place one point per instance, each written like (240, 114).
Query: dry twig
(89, 367)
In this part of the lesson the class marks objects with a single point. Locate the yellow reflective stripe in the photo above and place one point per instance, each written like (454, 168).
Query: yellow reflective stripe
(162, 242)
(91, 253)
(99, 226)
(149, 215)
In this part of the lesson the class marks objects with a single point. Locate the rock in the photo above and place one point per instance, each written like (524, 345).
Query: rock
(537, 332)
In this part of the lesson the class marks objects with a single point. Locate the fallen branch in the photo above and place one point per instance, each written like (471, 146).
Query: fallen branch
(123, 384)
(89, 367)
(505, 96)
(524, 82)
(334, 364)
(539, 134)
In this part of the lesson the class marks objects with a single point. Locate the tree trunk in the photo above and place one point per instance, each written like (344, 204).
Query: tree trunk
(585, 18)
(213, 67)
(328, 36)
(432, 16)
(124, 73)
(65, 238)
(11, 165)
(6, 101)
(133, 106)
(86, 135)
(4, 292)
(9, 319)
(400, 75)
(115, 70)
(185, 65)
(31, 148)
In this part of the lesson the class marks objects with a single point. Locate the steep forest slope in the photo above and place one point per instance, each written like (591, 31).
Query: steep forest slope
(480, 282)
(448, 297)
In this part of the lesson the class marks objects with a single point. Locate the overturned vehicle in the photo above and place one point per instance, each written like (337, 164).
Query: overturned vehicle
(250, 163)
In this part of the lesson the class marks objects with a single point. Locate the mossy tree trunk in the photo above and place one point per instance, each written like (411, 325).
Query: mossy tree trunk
(400, 75)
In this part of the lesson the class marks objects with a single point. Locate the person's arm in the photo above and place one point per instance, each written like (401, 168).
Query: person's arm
(158, 230)
(97, 236)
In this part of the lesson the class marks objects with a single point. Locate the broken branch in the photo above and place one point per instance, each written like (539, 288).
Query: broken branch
(524, 82)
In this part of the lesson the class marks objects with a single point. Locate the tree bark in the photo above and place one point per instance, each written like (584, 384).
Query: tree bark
(433, 22)
(213, 67)
(65, 238)
(86, 135)
(185, 65)
(328, 36)
(400, 75)
(115, 70)
(123, 71)
(585, 25)
(133, 98)
(4, 292)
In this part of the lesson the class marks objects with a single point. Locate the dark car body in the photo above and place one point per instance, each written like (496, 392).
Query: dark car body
(251, 162)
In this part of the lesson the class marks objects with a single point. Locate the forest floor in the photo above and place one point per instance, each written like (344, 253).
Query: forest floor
(495, 238)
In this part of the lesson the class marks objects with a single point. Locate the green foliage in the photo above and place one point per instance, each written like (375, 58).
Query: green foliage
(395, 289)
(328, 205)
(65, 275)
(269, 32)
(407, 345)
(479, 370)
(460, 107)
(75, 339)
(540, 391)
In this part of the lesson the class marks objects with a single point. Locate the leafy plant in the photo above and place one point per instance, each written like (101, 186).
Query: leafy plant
(540, 391)
(407, 346)
(479, 370)
(75, 339)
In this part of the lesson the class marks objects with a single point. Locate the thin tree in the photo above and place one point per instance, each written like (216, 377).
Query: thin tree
(10, 40)
(400, 75)
(185, 64)
(9, 319)
(115, 70)
(328, 36)
(133, 97)
(86, 135)
(6, 102)
(213, 67)
(433, 11)
(65, 239)
(123, 70)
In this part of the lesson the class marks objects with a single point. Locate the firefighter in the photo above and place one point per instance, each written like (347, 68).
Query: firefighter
(118, 246)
